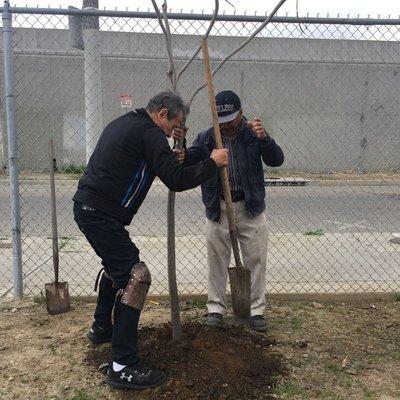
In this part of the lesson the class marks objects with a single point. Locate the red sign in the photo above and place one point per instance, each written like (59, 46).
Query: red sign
(126, 100)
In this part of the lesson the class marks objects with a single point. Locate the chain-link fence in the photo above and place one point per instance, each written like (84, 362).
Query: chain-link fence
(326, 89)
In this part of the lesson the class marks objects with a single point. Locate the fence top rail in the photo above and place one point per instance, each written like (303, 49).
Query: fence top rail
(204, 17)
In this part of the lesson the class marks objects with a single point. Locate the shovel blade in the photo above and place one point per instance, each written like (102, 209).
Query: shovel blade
(240, 279)
(57, 298)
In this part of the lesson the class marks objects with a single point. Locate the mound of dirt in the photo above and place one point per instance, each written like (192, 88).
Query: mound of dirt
(206, 363)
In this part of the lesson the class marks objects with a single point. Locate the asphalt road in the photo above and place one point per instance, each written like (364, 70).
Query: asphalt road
(332, 208)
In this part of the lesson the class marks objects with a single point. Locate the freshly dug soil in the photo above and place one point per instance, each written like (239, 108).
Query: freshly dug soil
(206, 363)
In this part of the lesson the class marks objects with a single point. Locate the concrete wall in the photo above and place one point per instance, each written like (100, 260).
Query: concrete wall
(332, 104)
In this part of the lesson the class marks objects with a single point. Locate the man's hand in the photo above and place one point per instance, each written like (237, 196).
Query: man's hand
(180, 155)
(179, 133)
(220, 156)
(257, 127)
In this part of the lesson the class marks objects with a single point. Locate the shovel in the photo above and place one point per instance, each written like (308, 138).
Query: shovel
(57, 295)
(239, 276)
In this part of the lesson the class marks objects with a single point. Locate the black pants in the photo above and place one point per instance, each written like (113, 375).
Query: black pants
(111, 242)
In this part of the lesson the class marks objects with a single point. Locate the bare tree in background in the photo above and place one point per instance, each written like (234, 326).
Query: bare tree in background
(174, 78)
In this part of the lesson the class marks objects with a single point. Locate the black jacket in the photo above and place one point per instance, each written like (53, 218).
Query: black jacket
(131, 151)
(251, 151)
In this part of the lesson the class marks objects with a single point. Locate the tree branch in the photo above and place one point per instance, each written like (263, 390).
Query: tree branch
(172, 71)
(167, 35)
(249, 39)
(159, 17)
(214, 17)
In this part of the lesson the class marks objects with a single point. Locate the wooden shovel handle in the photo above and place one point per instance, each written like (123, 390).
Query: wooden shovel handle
(54, 234)
(224, 172)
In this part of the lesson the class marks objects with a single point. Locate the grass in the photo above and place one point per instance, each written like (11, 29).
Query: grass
(396, 296)
(288, 390)
(396, 355)
(81, 394)
(201, 304)
(53, 348)
(315, 232)
(333, 367)
(369, 394)
(272, 379)
(272, 171)
(329, 395)
(63, 241)
(348, 382)
(296, 323)
(72, 169)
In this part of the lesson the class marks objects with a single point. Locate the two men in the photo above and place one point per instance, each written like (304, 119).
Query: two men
(249, 145)
(131, 151)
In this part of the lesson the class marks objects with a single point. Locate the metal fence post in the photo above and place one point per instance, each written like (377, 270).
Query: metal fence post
(12, 149)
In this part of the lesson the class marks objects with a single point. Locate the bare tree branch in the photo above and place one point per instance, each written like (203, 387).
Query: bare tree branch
(172, 71)
(214, 17)
(249, 39)
(297, 15)
(167, 35)
(230, 4)
(175, 311)
(159, 17)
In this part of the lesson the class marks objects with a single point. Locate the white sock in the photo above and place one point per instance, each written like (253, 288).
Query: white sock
(117, 367)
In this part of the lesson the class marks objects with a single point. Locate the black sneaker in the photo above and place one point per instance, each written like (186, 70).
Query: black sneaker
(139, 377)
(258, 323)
(99, 335)
(214, 319)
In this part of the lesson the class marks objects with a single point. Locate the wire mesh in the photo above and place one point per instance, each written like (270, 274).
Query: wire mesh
(327, 92)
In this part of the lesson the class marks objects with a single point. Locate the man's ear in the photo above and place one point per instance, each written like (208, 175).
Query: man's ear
(163, 113)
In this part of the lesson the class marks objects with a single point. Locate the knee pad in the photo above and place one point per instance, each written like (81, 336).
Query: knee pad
(135, 292)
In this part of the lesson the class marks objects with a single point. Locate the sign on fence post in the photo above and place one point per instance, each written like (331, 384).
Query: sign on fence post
(126, 101)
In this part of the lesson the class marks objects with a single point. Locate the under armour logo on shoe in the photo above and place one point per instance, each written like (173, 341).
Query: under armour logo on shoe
(128, 378)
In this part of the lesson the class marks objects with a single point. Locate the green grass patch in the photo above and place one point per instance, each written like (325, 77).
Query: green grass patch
(296, 323)
(333, 367)
(194, 303)
(329, 395)
(396, 296)
(289, 390)
(72, 169)
(348, 382)
(81, 394)
(53, 348)
(272, 379)
(369, 394)
(63, 241)
(314, 232)
(396, 355)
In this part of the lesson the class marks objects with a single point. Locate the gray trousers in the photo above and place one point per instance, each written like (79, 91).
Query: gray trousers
(252, 234)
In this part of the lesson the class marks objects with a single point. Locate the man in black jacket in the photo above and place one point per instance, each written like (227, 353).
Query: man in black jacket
(249, 145)
(131, 151)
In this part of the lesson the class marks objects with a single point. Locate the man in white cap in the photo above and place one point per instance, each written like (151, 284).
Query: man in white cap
(249, 145)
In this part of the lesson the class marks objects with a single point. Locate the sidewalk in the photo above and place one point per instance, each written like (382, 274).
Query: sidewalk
(297, 263)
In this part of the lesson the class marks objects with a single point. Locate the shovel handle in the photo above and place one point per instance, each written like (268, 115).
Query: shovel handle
(218, 141)
(54, 234)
